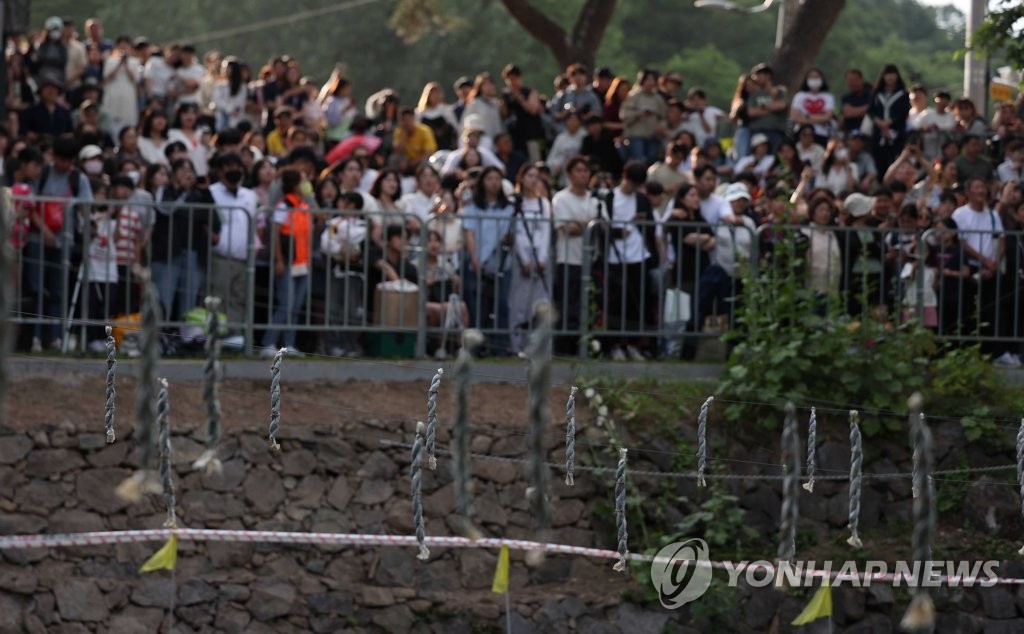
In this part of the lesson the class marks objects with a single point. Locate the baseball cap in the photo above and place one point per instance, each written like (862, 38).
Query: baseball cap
(736, 191)
(858, 205)
(761, 68)
(462, 82)
(89, 152)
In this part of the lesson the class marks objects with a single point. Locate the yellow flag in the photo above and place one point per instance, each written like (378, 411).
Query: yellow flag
(500, 584)
(819, 606)
(164, 559)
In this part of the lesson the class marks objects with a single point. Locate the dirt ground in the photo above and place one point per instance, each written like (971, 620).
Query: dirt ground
(79, 397)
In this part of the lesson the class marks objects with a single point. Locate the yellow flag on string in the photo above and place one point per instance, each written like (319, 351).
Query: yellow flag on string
(500, 584)
(819, 606)
(164, 559)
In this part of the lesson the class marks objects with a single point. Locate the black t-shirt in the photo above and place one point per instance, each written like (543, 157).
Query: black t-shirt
(691, 260)
(857, 101)
(522, 126)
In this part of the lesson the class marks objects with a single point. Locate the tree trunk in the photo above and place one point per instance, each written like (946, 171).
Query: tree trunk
(807, 25)
(579, 46)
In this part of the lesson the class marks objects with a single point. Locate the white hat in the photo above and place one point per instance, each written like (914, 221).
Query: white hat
(89, 152)
(53, 23)
(858, 205)
(758, 139)
(472, 123)
(737, 191)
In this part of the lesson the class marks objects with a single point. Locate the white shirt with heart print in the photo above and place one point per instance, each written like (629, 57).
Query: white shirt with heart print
(809, 103)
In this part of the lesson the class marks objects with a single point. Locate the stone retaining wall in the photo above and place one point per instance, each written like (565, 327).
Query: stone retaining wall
(61, 479)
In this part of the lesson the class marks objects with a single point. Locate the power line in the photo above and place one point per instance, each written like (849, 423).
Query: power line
(287, 19)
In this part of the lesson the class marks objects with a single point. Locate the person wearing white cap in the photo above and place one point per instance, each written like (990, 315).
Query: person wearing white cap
(760, 161)
(90, 158)
(733, 246)
(864, 257)
(472, 134)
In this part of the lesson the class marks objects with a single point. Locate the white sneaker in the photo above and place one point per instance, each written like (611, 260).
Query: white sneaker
(37, 346)
(336, 352)
(635, 354)
(1007, 359)
(269, 352)
(294, 352)
(618, 354)
(97, 346)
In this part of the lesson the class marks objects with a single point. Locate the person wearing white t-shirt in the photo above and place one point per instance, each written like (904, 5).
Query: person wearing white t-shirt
(236, 206)
(814, 105)
(632, 245)
(713, 208)
(981, 238)
(702, 119)
(1012, 169)
(188, 79)
(572, 209)
(420, 202)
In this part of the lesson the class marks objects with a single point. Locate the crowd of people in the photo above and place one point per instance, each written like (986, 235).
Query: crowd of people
(188, 164)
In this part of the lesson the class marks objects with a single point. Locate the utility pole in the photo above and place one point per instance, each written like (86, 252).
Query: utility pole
(975, 64)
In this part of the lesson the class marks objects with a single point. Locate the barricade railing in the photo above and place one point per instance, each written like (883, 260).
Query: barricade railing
(658, 285)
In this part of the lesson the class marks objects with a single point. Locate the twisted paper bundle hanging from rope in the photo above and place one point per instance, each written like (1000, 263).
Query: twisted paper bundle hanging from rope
(620, 512)
(143, 481)
(540, 388)
(812, 441)
(163, 415)
(1020, 469)
(275, 398)
(108, 418)
(702, 441)
(570, 437)
(416, 482)
(790, 485)
(208, 459)
(435, 386)
(856, 464)
(920, 615)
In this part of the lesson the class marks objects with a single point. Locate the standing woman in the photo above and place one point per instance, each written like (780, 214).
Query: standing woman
(814, 105)
(292, 247)
(531, 266)
(386, 190)
(487, 223)
(434, 113)
(738, 114)
(153, 137)
(338, 107)
(121, 74)
(482, 104)
(186, 131)
(890, 109)
(643, 119)
(688, 241)
(613, 99)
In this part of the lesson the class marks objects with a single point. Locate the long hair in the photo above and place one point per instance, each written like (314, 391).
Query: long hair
(478, 86)
(146, 129)
(880, 82)
(234, 73)
(677, 202)
(480, 196)
(611, 96)
(424, 102)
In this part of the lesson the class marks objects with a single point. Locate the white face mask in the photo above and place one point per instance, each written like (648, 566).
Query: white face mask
(93, 166)
(134, 175)
(814, 83)
(841, 154)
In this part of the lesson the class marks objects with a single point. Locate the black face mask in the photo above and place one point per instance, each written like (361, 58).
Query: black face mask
(233, 177)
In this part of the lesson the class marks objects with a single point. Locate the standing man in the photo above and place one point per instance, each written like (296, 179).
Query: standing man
(572, 209)
(981, 238)
(854, 104)
(521, 109)
(236, 207)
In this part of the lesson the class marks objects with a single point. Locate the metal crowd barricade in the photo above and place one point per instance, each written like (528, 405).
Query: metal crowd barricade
(97, 254)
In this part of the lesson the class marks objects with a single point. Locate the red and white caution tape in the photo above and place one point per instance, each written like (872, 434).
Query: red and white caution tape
(23, 542)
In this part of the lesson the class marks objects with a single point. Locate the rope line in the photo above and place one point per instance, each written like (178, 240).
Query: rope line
(105, 538)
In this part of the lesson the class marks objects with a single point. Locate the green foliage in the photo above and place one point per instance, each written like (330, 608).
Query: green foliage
(467, 36)
(720, 521)
(1000, 32)
(790, 347)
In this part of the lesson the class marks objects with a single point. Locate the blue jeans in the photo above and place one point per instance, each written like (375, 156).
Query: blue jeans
(181, 278)
(644, 149)
(289, 294)
(741, 142)
(44, 283)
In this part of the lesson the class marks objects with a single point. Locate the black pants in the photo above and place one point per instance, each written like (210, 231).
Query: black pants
(629, 306)
(568, 286)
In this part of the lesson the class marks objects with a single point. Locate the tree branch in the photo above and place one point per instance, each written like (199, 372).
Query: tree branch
(591, 23)
(540, 26)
